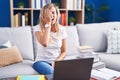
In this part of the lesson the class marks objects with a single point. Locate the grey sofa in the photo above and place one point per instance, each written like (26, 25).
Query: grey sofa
(81, 34)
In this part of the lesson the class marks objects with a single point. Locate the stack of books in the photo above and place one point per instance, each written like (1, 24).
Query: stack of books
(88, 52)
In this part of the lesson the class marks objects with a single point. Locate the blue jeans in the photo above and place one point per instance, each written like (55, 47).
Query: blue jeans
(43, 67)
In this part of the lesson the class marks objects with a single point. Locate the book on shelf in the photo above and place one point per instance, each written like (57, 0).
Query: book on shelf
(37, 4)
(20, 19)
(63, 19)
(15, 20)
(79, 6)
(31, 77)
(105, 74)
(23, 20)
(69, 4)
(26, 18)
(73, 4)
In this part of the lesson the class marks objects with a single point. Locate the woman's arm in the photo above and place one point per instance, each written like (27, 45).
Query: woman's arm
(63, 52)
(43, 37)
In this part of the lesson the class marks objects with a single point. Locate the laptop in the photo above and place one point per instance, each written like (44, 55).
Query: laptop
(75, 69)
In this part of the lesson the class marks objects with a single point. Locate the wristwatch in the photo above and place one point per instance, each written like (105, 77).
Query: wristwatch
(47, 25)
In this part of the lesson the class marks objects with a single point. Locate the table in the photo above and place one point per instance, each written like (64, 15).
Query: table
(15, 78)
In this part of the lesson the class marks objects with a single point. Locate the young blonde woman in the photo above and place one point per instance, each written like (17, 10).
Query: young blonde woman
(52, 36)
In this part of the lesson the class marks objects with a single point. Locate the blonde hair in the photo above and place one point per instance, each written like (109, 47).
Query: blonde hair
(42, 23)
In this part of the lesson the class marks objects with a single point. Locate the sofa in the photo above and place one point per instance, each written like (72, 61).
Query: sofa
(81, 34)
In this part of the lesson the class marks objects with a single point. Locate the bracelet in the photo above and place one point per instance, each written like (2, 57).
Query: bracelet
(47, 25)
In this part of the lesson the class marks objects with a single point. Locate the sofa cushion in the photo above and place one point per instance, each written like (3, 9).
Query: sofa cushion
(9, 56)
(72, 40)
(6, 44)
(95, 34)
(113, 39)
(24, 68)
(21, 37)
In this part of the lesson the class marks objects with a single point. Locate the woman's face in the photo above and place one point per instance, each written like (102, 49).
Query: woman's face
(54, 15)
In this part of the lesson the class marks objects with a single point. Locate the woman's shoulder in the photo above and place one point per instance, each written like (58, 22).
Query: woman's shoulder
(37, 28)
(63, 31)
(61, 27)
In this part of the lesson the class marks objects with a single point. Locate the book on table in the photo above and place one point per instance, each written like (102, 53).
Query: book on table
(98, 65)
(31, 77)
(105, 74)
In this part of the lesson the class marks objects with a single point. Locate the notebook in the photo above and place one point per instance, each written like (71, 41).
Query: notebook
(75, 69)
(31, 77)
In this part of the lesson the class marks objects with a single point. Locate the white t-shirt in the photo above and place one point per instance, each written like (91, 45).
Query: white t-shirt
(52, 51)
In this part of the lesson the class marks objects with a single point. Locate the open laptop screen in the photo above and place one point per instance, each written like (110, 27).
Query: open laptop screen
(76, 69)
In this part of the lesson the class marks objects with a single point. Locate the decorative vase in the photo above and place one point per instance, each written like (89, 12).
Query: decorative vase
(21, 6)
(71, 23)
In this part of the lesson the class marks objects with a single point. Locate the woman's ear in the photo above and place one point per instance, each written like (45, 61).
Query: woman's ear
(41, 18)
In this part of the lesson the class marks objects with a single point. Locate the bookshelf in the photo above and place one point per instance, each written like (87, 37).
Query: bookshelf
(29, 14)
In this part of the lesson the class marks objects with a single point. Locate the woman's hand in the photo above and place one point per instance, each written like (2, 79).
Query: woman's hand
(47, 18)
(53, 64)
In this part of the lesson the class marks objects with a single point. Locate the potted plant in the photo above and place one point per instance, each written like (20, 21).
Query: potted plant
(71, 20)
(57, 4)
(21, 4)
(92, 14)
